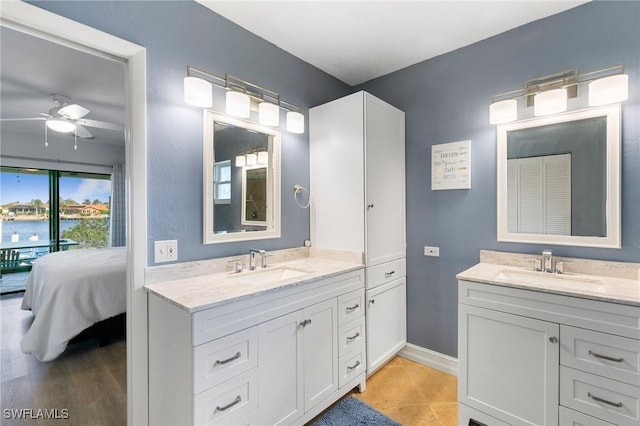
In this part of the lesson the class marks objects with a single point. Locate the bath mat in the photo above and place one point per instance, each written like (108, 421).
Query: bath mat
(353, 412)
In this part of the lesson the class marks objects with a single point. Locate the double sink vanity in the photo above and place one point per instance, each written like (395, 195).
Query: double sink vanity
(557, 346)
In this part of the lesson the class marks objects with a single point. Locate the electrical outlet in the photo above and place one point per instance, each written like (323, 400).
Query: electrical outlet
(431, 251)
(165, 251)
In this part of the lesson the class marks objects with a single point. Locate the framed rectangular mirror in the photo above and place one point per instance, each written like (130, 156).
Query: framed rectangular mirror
(558, 179)
(241, 180)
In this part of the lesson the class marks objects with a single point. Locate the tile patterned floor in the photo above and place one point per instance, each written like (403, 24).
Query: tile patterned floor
(413, 394)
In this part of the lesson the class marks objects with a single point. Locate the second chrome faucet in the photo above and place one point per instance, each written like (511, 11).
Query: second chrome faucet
(252, 259)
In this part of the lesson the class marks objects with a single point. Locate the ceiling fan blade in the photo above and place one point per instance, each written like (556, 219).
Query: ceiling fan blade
(83, 133)
(100, 124)
(73, 111)
(23, 119)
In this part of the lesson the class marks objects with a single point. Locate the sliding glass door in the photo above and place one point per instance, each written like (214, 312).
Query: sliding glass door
(49, 210)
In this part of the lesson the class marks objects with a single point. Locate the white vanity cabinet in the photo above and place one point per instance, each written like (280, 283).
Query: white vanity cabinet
(273, 358)
(536, 358)
(357, 175)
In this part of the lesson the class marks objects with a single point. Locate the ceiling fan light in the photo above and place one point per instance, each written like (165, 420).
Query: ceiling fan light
(197, 92)
(238, 104)
(295, 122)
(60, 125)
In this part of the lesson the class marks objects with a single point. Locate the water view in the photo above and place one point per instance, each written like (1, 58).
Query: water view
(26, 228)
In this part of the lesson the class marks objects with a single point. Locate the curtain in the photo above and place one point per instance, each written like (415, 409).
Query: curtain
(118, 212)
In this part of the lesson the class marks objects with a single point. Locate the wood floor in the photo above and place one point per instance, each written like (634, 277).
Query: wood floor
(90, 382)
(86, 382)
(413, 394)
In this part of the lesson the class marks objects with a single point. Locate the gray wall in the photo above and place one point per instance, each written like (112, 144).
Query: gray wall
(447, 99)
(177, 33)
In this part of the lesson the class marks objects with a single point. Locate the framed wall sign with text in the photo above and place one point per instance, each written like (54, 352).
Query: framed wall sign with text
(451, 166)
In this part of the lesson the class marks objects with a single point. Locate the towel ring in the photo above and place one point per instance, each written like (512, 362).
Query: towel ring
(297, 189)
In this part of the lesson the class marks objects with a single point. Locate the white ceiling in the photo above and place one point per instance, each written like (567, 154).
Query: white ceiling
(33, 68)
(357, 41)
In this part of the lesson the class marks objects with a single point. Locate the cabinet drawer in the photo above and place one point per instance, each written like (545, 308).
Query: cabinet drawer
(570, 417)
(386, 272)
(227, 402)
(350, 306)
(221, 359)
(350, 367)
(606, 399)
(604, 354)
(351, 337)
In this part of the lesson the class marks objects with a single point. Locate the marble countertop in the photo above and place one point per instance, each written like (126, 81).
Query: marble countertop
(596, 287)
(206, 291)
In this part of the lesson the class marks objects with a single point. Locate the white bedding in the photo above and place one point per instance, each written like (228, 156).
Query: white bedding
(69, 291)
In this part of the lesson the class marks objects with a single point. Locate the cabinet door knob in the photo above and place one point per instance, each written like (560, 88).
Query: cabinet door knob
(553, 339)
(304, 323)
(372, 301)
(369, 206)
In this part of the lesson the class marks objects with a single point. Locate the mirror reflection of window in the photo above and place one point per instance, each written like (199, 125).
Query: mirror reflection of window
(222, 182)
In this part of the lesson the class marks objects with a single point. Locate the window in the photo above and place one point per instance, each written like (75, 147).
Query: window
(222, 182)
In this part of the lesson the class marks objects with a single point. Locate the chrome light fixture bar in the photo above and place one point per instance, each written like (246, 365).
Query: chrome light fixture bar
(548, 94)
(198, 91)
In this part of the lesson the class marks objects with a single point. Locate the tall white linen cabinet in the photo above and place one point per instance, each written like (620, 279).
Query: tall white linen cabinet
(357, 167)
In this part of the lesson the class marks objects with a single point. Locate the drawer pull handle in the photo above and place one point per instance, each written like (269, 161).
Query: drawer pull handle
(305, 323)
(354, 337)
(388, 274)
(595, 398)
(229, 405)
(353, 308)
(608, 358)
(353, 367)
(225, 361)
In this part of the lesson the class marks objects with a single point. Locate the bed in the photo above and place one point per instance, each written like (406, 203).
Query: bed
(68, 292)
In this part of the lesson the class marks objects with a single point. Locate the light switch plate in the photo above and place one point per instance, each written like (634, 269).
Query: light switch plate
(165, 251)
(431, 251)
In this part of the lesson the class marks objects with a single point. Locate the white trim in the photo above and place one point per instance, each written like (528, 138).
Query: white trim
(613, 208)
(17, 14)
(433, 359)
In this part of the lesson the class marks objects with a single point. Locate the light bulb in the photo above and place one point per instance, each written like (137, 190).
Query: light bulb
(269, 114)
(252, 159)
(295, 122)
(550, 102)
(503, 111)
(609, 90)
(198, 92)
(238, 104)
(61, 125)
(240, 161)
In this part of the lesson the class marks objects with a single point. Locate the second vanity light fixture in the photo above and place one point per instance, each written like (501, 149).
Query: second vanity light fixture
(198, 91)
(548, 95)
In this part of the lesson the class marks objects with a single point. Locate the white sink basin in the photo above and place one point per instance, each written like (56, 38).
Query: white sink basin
(533, 277)
(269, 275)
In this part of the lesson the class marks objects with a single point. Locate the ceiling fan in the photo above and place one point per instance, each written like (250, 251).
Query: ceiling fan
(67, 117)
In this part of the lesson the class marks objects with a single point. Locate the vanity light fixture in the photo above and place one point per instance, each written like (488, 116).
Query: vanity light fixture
(241, 161)
(241, 94)
(548, 94)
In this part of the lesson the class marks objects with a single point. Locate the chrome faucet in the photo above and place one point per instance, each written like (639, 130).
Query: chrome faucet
(252, 259)
(547, 261)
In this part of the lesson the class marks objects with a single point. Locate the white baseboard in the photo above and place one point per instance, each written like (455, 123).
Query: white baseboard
(442, 362)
